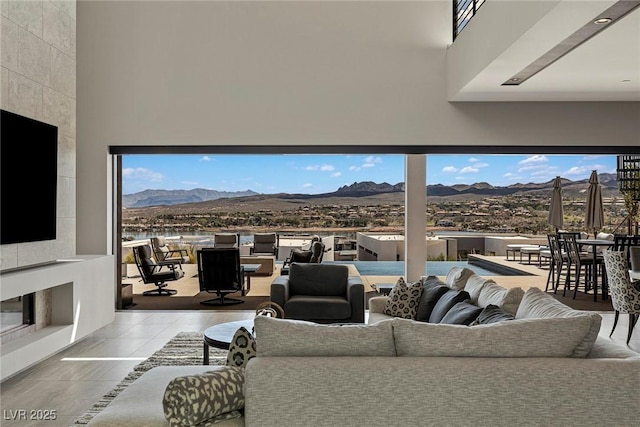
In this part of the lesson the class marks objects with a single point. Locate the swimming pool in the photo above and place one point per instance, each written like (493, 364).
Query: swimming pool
(396, 268)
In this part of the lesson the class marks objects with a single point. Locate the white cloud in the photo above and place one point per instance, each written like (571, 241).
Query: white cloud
(206, 159)
(322, 168)
(336, 174)
(142, 174)
(368, 165)
(577, 170)
(193, 184)
(472, 159)
(354, 168)
(480, 165)
(307, 185)
(372, 159)
(450, 169)
(469, 169)
(534, 159)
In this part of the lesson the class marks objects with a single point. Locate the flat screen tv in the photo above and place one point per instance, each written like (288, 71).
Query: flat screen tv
(28, 179)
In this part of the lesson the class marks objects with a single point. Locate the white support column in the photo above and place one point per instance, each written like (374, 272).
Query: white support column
(415, 217)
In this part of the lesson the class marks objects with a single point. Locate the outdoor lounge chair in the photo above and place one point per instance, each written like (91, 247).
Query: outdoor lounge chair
(167, 257)
(226, 240)
(220, 272)
(151, 274)
(265, 244)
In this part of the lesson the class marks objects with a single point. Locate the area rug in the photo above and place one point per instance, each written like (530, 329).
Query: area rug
(183, 349)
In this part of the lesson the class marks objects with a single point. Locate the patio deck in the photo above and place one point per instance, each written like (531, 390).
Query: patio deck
(260, 285)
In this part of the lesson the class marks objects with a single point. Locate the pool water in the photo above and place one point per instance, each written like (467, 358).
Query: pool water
(396, 268)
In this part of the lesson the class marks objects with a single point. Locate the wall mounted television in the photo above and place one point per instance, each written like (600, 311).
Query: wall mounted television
(28, 179)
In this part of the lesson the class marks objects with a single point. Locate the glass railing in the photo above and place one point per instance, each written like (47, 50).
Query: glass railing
(463, 11)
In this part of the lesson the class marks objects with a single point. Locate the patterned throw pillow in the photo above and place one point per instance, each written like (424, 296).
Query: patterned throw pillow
(192, 399)
(241, 349)
(403, 299)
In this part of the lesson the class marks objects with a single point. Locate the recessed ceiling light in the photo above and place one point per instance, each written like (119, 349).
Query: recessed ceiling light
(611, 15)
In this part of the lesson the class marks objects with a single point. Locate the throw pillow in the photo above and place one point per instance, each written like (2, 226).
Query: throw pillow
(457, 277)
(241, 349)
(537, 304)
(403, 299)
(288, 337)
(492, 314)
(462, 313)
(444, 304)
(192, 399)
(431, 293)
(507, 299)
(550, 337)
(474, 285)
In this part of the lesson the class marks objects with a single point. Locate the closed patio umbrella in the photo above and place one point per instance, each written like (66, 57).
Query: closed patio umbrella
(594, 217)
(556, 211)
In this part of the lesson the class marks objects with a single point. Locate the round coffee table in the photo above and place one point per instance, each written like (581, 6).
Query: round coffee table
(220, 335)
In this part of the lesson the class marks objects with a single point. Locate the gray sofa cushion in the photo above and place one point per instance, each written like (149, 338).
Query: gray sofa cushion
(506, 298)
(317, 307)
(474, 285)
(537, 304)
(492, 314)
(285, 337)
(462, 313)
(550, 337)
(318, 279)
(457, 277)
(444, 304)
(432, 290)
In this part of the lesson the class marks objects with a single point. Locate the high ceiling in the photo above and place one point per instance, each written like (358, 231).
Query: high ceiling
(604, 68)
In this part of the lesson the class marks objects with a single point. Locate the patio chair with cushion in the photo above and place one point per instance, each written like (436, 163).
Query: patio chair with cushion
(166, 256)
(226, 240)
(265, 244)
(312, 255)
(151, 274)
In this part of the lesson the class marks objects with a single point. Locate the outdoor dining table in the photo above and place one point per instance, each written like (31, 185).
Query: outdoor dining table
(595, 243)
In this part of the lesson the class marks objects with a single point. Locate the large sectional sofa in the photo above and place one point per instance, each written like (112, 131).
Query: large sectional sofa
(545, 367)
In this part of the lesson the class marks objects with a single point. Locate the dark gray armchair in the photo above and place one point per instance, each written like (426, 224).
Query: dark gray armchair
(323, 293)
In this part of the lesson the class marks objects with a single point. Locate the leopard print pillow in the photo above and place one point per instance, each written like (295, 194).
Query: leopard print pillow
(403, 299)
(208, 397)
(241, 349)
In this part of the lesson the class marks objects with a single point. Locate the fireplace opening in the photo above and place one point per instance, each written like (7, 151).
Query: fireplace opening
(17, 313)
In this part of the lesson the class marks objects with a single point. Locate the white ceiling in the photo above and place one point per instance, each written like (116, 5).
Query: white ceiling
(594, 71)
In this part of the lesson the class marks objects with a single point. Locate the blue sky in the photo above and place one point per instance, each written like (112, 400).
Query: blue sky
(314, 174)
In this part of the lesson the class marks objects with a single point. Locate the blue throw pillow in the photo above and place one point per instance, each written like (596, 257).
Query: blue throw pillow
(492, 314)
(446, 301)
(432, 291)
(462, 313)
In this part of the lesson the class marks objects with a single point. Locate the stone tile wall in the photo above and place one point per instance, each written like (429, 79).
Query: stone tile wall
(38, 80)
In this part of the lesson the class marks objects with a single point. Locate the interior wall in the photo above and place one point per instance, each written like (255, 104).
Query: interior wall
(38, 78)
(289, 73)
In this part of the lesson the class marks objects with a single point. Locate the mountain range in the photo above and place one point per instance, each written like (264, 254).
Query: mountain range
(146, 198)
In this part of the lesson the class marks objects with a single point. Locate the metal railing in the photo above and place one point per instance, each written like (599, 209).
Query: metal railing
(463, 11)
